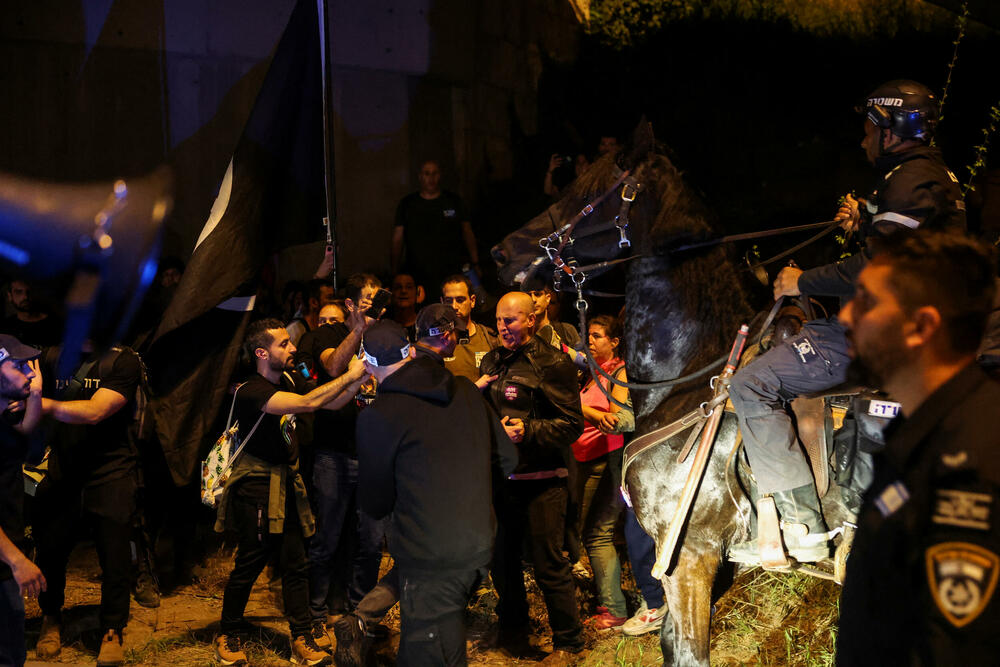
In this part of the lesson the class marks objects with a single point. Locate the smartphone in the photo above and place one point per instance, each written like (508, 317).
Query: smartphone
(380, 302)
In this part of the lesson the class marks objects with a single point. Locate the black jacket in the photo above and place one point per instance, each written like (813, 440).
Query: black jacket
(537, 383)
(918, 190)
(424, 454)
(922, 574)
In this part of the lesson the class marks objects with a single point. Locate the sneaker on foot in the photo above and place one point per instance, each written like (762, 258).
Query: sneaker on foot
(645, 620)
(49, 639)
(146, 592)
(350, 634)
(605, 620)
(306, 652)
(228, 651)
(321, 636)
(112, 652)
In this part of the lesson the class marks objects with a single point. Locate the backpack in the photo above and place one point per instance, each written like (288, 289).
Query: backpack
(222, 456)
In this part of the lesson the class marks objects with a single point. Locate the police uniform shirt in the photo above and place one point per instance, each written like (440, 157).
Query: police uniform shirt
(917, 190)
(923, 570)
(103, 452)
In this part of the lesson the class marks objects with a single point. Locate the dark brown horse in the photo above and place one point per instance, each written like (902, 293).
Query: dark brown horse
(683, 310)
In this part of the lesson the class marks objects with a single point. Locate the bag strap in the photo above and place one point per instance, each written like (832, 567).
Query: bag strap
(229, 421)
(239, 450)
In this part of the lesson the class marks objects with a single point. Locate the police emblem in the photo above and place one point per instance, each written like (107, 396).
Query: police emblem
(962, 578)
(510, 392)
(804, 347)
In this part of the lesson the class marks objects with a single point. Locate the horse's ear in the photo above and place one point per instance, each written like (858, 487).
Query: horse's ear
(641, 145)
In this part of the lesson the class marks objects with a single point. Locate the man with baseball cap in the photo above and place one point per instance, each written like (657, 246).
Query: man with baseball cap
(425, 451)
(20, 401)
(437, 334)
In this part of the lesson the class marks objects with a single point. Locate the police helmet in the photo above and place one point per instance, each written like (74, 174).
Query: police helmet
(907, 108)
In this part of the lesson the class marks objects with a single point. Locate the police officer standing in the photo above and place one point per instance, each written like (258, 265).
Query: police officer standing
(923, 569)
(918, 190)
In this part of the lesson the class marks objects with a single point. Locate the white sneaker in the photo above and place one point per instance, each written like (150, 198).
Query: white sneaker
(645, 620)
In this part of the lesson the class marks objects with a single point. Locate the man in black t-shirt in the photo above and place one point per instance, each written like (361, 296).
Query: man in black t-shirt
(20, 402)
(433, 227)
(93, 469)
(265, 500)
(29, 323)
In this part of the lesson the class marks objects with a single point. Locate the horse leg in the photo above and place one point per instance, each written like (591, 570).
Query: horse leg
(689, 599)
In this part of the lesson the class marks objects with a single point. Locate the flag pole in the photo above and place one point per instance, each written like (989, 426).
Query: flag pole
(330, 220)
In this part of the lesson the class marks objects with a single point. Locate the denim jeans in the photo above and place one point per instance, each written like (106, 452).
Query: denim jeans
(600, 506)
(335, 480)
(12, 651)
(642, 555)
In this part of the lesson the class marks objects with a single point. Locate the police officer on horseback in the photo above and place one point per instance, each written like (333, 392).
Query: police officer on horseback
(917, 190)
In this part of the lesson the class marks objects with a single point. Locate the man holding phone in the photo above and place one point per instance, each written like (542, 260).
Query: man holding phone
(326, 351)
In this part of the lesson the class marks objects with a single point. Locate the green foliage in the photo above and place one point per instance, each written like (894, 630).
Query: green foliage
(960, 23)
(625, 23)
(980, 151)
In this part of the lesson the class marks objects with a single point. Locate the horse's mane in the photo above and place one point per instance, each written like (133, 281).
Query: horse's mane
(713, 288)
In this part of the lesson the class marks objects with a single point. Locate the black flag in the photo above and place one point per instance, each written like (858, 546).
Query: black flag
(272, 196)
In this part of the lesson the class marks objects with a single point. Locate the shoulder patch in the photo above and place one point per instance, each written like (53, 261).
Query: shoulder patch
(962, 577)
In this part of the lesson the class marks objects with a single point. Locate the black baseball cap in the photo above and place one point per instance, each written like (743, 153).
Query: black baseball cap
(385, 343)
(12, 348)
(435, 319)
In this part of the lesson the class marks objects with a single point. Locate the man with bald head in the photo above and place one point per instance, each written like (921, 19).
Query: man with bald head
(536, 395)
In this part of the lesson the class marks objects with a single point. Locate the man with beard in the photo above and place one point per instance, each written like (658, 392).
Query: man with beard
(536, 394)
(917, 191)
(29, 323)
(926, 557)
(20, 401)
(265, 498)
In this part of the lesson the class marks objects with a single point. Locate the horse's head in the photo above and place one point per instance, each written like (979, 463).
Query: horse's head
(638, 174)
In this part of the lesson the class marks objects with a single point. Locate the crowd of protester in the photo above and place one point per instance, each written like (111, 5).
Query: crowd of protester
(308, 494)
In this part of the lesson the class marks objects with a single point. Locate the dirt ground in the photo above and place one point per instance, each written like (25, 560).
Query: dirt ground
(764, 619)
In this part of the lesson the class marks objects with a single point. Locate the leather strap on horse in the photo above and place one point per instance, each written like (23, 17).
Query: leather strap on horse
(690, 490)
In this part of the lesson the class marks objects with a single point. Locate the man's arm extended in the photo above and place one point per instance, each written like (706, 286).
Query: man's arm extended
(335, 359)
(27, 575)
(97, 408)
(285, 402)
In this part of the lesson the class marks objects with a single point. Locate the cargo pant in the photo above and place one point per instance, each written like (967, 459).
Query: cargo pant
(812, 361)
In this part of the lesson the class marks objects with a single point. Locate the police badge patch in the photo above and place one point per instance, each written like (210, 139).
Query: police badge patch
(962, 578)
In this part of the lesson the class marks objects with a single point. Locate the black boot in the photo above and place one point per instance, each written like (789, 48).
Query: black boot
(802, 525)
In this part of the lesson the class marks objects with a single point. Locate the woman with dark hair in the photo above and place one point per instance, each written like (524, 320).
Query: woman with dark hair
(598, 454)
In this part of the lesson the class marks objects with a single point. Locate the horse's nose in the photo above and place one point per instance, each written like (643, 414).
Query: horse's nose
(498, 254)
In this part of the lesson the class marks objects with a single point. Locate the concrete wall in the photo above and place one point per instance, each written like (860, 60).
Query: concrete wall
(100, 88)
